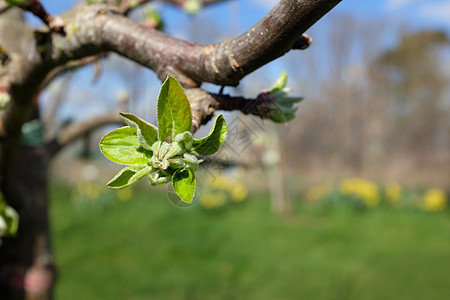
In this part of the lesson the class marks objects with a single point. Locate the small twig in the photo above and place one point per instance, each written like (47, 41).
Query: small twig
(258, 106)
(205, 104)
(70, 66)
(56, 24)
(3, 6)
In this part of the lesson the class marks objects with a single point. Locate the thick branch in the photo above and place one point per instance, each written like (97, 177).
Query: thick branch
(100, 28)
(3, 6)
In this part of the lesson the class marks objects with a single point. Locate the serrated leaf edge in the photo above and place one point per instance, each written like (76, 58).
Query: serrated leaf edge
(141, 172)
(174, 184)
(198, 143)
(140, 136)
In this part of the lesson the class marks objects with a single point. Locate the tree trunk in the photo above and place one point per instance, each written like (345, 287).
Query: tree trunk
(26, 261)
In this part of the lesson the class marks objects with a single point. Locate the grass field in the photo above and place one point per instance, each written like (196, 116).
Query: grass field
(146, 248)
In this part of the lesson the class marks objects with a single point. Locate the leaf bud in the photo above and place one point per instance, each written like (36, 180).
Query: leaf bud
(185, 140)
(191, 160)
(177, 163)
(159, 179)
(174, 149)
(163, 149)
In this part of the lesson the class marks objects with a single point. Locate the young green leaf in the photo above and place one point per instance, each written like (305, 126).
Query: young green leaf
(191, 161)
(185, 140)
(22, 3)
(282, 113)
(159, 178)
(283, 100)
(279, 84)
(283, 110)
(183, 182)
(12, 219)
(129, 176)
(192, 6)
(9, 220)
(146, 132)
(174, 111)
(122, 146)
(212, 142)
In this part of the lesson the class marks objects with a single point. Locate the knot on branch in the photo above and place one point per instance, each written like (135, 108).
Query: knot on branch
(202, 105)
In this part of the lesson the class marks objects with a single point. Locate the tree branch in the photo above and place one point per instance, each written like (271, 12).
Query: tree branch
(205, 104)
(3, 6)
(100, 28)
(75, 131)
(229, 61)
(37, 9)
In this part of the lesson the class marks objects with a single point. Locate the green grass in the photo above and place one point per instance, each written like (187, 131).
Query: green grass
(147, 248)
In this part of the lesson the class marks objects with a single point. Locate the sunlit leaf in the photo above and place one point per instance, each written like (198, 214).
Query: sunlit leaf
(22, 3)
(212, 142)
(183, 182)
(129, 176)
(279, 84)
(122, 146)
(174, 111)
(146, 132)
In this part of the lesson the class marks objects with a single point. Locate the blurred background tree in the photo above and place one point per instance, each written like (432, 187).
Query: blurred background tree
(376, 106)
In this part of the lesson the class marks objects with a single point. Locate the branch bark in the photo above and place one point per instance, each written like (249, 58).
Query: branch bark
(3, 6)
(75, 131)
(101, 28)
(205, 104)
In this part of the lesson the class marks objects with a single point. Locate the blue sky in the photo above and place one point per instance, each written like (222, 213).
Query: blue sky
(414, 13)
(420, 12)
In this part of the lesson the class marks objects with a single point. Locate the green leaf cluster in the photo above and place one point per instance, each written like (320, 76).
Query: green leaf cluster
(9, 219)
(193, 6)
(166, 153)
(282, 108)
(152, 18)
(90, 2)
(20, 3)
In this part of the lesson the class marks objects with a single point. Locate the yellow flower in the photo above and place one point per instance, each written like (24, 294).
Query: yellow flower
(124, 195)
(221, 183)
(393, 193)
(210, 201)
(363, 189)
(318, 192)
(93, 190)
(228, 187)
(434, 200)
(238, 193)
